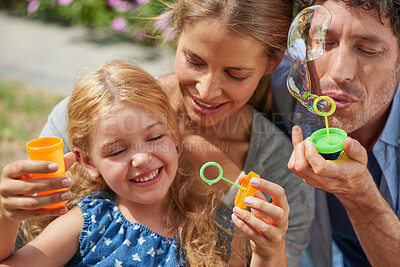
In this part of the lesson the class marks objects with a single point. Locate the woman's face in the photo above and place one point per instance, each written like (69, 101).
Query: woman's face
(217, 71)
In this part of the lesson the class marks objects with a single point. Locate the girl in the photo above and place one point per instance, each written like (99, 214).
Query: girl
(134, 205)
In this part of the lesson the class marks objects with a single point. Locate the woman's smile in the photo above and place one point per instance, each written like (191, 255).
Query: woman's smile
(205, 108)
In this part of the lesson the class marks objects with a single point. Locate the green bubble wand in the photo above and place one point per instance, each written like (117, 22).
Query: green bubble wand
(219, 177)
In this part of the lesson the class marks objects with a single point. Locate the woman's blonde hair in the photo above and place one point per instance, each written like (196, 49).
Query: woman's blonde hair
(266, 22)
(191, 207)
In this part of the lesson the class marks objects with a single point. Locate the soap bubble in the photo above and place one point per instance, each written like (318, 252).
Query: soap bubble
(306, 42)
(306, 37)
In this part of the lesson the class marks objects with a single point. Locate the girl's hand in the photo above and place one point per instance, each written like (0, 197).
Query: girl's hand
(266, 224)
(17, 187)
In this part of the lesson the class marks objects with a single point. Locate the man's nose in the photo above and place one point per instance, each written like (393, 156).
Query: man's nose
(208, 86)
(342, 64)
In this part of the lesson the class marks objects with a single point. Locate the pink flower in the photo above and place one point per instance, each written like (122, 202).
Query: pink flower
(168, 34)
(33, 6)
(113, 3)
(119, 24)
(162, 22)
(143, 1)
(123, 6)
(64, 2)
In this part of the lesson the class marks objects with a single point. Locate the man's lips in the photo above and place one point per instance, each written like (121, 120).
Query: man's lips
(206, 108)
(342, 101)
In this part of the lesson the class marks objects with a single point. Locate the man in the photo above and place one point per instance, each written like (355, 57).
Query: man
(358, 205)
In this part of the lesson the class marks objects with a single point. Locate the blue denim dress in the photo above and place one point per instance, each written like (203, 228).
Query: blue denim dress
(108, 239)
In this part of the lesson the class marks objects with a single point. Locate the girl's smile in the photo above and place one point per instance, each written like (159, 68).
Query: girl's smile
(148, 178)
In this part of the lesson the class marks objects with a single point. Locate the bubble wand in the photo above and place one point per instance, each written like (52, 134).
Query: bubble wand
(325, 114)
(245, 188)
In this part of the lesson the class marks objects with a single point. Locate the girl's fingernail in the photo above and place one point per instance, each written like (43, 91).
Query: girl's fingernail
(234, 218)
(255, 181)
(66, 195)
(237, 210)
(66, 182)
(249, 200)
(53, 166)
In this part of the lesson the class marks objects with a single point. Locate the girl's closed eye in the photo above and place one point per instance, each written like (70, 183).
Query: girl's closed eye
(116, 152)
(155, 137)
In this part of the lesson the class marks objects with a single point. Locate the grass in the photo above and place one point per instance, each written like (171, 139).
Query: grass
(23, 112)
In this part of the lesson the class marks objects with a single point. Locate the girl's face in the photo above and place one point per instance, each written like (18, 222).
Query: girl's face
(217, 71)
(134, 152)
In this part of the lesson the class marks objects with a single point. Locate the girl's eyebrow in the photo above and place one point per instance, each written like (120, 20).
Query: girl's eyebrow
(152, 125)
(109, 143)
(113, 141)
(231, 68)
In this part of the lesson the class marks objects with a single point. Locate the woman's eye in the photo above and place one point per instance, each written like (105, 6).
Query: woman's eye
(237, 78)
(193, 63)
(192, 60)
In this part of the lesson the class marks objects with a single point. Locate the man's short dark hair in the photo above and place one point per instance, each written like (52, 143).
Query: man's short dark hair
(385, 8)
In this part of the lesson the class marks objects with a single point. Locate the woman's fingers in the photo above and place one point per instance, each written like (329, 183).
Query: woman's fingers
(34, 202)
(268, 210)
(274, 190)
(257, 229)
(32, 186)
(24, 167)
(17, 189)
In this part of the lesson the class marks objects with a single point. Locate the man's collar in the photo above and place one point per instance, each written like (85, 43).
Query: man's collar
(391, 132)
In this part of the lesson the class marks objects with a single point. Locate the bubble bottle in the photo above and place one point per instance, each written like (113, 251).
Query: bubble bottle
(306, 42)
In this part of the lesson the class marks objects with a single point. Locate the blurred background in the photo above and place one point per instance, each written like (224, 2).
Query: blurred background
(47, 45)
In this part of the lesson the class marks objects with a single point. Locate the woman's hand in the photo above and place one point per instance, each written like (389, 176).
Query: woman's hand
(17, 187)
(266, 224)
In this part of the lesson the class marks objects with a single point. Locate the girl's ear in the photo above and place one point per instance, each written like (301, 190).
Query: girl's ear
(86, 162)
(272, 64)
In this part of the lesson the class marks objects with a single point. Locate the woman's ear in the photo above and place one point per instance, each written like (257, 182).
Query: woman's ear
(273, 63)
(86, 162)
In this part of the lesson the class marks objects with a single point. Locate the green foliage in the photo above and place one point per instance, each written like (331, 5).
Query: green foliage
(138, 16)
(24, 113)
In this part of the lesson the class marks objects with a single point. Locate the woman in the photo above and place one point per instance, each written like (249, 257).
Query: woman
(226, 50)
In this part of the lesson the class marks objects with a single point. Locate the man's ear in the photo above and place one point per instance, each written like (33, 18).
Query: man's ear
(86, 162)
(273, 63)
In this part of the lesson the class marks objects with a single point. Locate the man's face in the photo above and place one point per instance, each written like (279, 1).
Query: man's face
(358, 68)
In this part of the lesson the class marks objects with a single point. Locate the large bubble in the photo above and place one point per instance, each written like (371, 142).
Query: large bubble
(306, 42)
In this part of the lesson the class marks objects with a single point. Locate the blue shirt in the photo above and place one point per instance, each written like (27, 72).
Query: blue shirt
(387, 153)
(108, 239)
